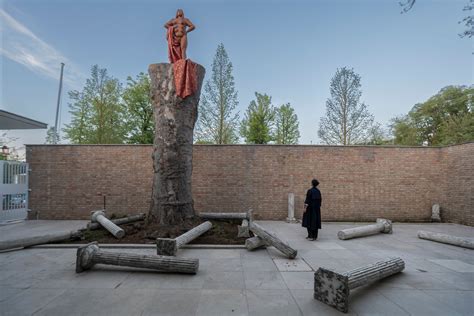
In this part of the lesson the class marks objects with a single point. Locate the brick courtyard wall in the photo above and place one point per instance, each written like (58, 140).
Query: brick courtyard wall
(358, 183)
(458, 206)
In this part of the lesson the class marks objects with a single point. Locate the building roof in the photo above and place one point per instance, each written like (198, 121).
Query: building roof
(13, 121)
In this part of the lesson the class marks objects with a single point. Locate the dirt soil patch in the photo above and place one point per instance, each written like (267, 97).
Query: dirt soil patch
(223, 232)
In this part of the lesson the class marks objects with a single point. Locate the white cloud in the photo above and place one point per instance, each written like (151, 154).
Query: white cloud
(21, 45)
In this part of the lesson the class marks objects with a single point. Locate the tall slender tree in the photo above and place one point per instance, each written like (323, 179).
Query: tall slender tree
(140, 123)
(218, 122)
(97, 111)
(51, 136)
(286, 125)
(347, 120)
(258, 123)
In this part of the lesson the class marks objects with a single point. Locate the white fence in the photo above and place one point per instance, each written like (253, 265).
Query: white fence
(13, 191)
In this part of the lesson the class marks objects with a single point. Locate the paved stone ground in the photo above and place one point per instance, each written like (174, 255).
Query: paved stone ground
(38, 228)
(438, 279)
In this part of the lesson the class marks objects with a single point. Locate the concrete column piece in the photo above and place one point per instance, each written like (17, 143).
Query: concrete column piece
(89, 255)
(170, 246)
(273, 240)
(243, 230)
(223, 215)
(291, 208)
(436, 213)
(447, 239)
(333, 288)
(99, 217)
(381, 226)
(254, 243)
(119, 221)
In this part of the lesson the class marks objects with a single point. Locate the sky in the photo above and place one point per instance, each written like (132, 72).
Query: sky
(286, 49)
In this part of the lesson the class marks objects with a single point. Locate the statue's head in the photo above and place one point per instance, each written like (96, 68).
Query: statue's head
(180, 13)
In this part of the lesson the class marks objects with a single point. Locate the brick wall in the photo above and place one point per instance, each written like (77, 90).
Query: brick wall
(458, 206)
(357, 183)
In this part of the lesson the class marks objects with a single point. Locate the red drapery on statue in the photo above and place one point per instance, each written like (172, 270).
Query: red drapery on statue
(185, 79)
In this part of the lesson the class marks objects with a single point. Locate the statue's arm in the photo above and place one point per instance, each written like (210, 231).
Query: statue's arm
(169, 23)
(190, 25)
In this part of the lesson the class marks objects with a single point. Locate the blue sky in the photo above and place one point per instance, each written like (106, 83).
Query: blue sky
(287, 49)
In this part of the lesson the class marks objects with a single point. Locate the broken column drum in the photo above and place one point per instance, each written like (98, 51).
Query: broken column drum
(333, 288)
(119, 221)
(447, 239)
(89, 255)
(243, 230)
(381, 226)
(254, 243)
(99, 217)
(169, 246)
(291, 208)
(273, 240)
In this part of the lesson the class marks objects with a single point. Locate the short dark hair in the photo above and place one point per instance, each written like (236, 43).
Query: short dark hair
(315, 182)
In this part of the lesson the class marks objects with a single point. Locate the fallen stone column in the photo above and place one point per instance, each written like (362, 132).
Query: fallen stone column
(39, 240)
(223, 215)
(254, 243)
(88, 256)
(99, 217)
(243, 230)
(170, 246)
(381, 226)
(447, 239)
(272, 240)
(333, 288)
(119, 221)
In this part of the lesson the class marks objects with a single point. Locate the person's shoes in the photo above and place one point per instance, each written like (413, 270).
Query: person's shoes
(313, 239)
(308, 237)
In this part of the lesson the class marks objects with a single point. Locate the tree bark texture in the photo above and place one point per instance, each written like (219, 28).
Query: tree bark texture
(172, 200)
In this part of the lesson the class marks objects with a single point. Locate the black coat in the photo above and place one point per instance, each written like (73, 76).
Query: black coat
(312, 215)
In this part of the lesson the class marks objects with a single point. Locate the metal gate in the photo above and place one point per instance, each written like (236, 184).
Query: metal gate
(13, 191)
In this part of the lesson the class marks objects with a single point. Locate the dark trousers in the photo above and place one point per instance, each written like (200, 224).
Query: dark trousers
(312, 233)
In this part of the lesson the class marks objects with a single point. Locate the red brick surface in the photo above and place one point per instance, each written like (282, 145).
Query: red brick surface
(357, 183)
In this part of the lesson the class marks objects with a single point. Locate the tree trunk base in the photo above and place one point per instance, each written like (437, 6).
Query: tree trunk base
(172, 201)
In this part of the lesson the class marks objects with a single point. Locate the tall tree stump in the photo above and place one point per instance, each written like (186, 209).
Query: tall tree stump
(172, 200)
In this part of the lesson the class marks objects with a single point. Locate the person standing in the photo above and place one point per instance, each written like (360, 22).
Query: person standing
(312, 214)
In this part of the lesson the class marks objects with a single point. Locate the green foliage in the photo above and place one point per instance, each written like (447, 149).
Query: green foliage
(97, 112)
(140, 122)
(51, 136)
(286, 125)
(347, 120)
(445, 118)
(257, 125)
(217, 122)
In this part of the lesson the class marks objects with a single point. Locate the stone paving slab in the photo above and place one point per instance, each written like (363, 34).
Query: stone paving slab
(438, 279)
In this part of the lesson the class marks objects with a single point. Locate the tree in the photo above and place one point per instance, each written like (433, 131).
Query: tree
(286, 125)
(468, 20)
(377, 135)
(217, 123)
(140, 123)
(97, 112)
(257, 125)
(9, 141)
(347, 120)
(445, 118)
(51, 136)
